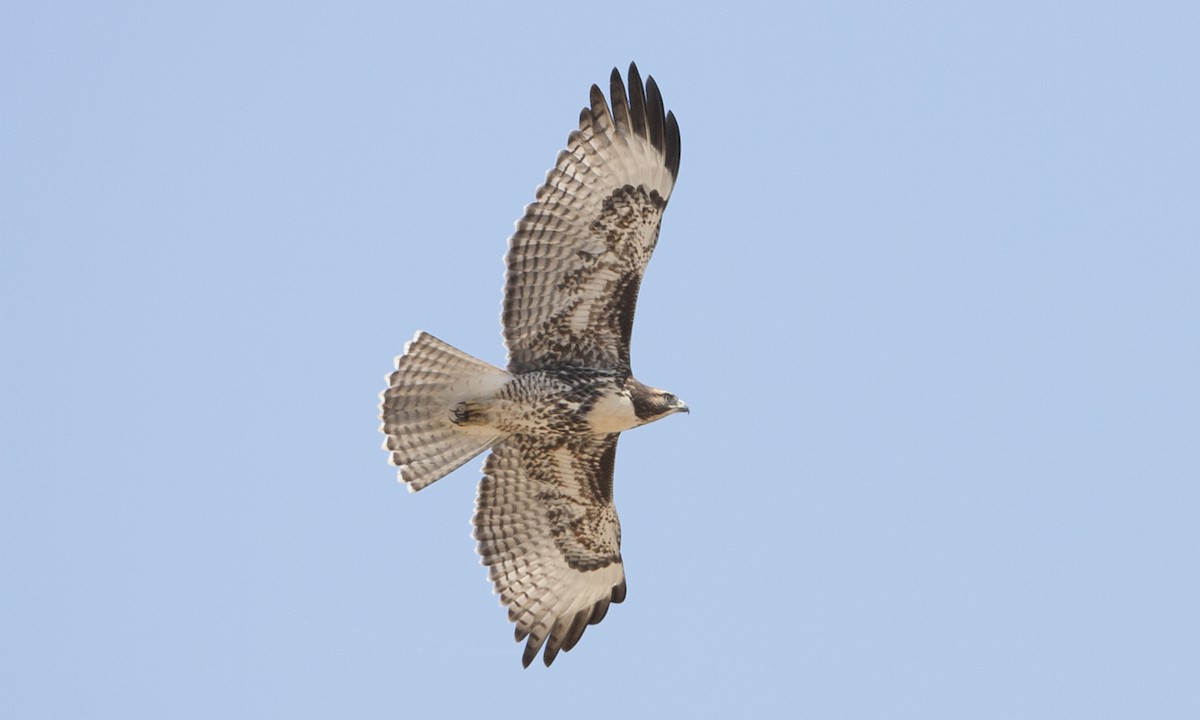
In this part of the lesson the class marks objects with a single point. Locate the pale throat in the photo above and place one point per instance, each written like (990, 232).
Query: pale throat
(612, 413)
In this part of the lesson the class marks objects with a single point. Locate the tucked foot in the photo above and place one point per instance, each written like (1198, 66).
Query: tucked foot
(469, 413)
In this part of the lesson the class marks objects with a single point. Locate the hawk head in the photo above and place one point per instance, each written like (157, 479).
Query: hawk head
(650, 404)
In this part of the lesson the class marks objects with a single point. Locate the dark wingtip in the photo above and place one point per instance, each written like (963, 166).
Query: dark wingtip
(655, 114)
(599, 610)
(638, 109)
(620, 102)
(637, 101)
(618, 592)
(575, 631)
(672, 145)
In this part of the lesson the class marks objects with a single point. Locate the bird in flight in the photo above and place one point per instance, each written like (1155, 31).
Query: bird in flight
(544, 517)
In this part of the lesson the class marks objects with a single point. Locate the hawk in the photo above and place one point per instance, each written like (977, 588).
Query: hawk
(544, 519)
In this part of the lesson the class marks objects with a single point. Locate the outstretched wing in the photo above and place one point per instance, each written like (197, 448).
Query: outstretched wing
(576, 260)
(548, 532)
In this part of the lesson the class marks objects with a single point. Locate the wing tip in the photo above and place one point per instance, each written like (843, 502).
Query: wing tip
(637, 108)
(566, 632)
(672, 144)
(636, 92)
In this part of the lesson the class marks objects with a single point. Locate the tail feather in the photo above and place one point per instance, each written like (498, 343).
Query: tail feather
(431, 378)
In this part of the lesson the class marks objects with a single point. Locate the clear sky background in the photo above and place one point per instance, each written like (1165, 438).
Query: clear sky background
(930, 282)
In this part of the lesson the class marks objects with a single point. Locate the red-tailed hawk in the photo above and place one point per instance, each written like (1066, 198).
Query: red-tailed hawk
(544, 516)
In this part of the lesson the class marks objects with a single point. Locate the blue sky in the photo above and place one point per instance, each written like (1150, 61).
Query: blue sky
(928, 282)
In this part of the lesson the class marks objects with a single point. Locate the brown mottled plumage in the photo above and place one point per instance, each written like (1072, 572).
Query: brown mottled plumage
(544, 517)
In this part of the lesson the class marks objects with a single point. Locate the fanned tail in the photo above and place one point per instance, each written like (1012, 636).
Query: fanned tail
(431, 378)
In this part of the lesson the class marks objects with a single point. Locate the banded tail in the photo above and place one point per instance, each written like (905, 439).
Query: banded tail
(430, 380)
